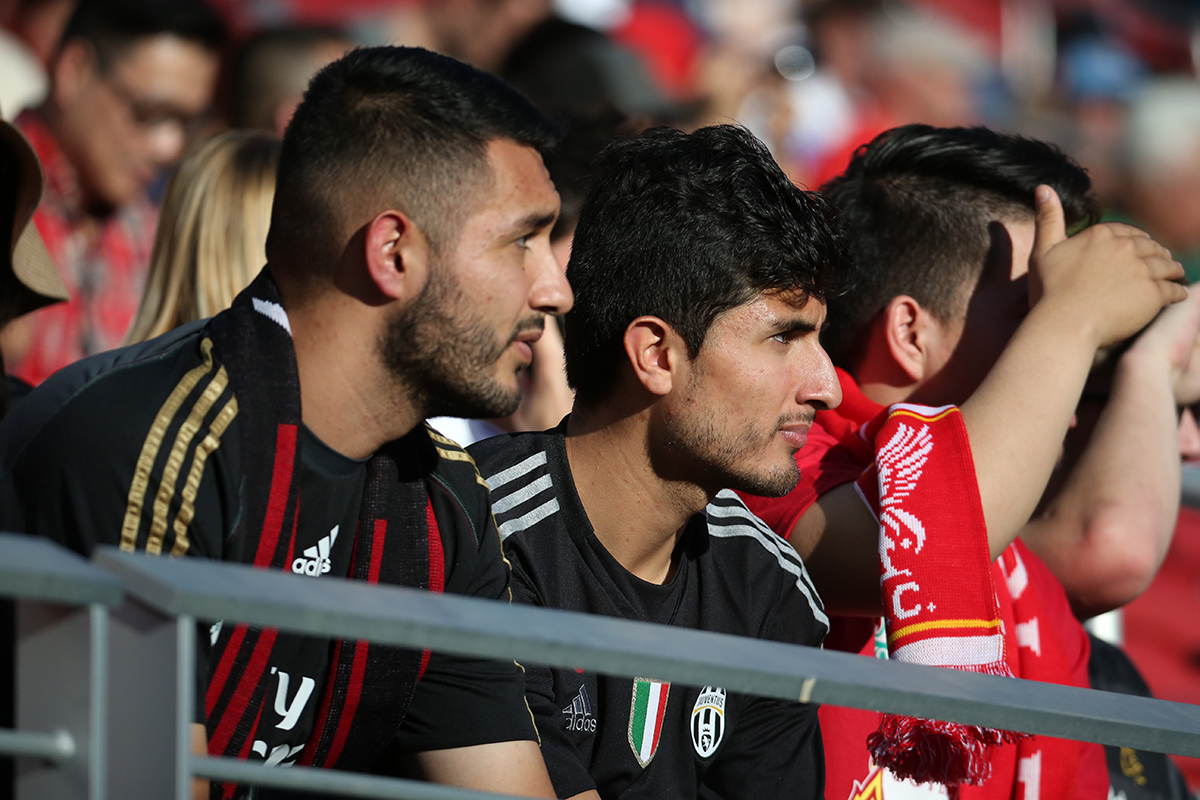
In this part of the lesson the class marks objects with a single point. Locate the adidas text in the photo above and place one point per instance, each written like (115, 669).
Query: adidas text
(316, 559)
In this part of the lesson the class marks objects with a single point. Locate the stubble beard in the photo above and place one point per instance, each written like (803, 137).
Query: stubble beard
(721, 458)
(445, 356)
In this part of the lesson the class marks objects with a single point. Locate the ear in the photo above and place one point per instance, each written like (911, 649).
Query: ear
(911, 333)
(73, 71)
(656, 353)
(397, 255)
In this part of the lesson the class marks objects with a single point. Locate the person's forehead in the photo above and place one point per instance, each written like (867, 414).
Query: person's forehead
(167, 69)
(775, 309)
(518, 186)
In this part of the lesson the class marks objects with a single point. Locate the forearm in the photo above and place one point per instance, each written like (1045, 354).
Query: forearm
(514, 768)
(1106, 532)
(1016, 420)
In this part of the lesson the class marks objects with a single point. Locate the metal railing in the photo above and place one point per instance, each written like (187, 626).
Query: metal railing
(153, 645)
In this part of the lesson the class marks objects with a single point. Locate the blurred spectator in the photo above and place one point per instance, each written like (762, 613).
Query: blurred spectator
(29, 35)
(1162, 149)
(212, 233)
(566, 66)
(272, 71)
(809, 110)
(918, 68)
(28, 279)
(480, 32)
(132, 79)
(1099, 78)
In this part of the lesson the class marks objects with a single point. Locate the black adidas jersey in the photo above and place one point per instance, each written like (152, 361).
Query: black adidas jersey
(644, 738)
(139, 447)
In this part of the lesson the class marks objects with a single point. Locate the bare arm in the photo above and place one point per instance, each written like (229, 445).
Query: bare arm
(1106, 532)
(200, 787)
(1088, 291)
(514, 768)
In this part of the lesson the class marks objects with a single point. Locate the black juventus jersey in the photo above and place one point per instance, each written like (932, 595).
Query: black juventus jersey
(139, 447)
(644, 738)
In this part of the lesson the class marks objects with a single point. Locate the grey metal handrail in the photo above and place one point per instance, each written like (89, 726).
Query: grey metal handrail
(1191, 486)
(405, 617)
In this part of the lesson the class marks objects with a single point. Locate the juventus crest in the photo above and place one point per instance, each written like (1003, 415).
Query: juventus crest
(708, 720)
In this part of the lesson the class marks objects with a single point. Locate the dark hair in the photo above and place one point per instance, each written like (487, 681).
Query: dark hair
(684, 227)
(915, 205)
(113, 25)
(570, 162)
(400, 126)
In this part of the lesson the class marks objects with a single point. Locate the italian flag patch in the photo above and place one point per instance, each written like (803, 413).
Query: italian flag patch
(647, 708)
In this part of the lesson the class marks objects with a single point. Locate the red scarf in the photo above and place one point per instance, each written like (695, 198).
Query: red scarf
(1040, 640)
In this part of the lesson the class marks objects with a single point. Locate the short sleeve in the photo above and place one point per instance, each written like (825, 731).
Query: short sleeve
(462, 701)
(566, 764)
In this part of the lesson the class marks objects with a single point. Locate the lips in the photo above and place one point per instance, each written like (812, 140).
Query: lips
(796, 433)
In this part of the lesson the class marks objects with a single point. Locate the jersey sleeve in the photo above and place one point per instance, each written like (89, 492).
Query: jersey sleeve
(567, 766)
(137, 456)
(460, 700)
(131, 450)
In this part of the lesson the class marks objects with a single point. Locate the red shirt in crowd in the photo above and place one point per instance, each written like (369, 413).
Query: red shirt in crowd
(102, 260)
(1044, 641)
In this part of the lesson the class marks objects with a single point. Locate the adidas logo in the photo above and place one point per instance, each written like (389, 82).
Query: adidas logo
(579, 713)
(315, 560)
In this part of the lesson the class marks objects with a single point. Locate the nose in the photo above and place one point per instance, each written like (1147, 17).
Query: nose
(550, 292)
(819, 385)
(166, 141)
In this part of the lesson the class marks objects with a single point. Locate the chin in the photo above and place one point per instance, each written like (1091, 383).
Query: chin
(775, 483)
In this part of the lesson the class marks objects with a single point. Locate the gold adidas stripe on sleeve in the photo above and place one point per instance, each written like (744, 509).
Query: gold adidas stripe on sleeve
(183, 441)
(171, 410)
(203, 450)
(453, 451)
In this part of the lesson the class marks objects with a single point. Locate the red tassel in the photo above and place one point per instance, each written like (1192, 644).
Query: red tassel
(932, 751)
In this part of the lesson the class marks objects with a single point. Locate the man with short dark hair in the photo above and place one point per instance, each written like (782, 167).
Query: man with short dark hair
(409, 270)
(700, 273)
(131, 81)
(960, 296)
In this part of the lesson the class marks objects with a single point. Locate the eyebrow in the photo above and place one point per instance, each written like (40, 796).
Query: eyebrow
(536, 221)
(794, 326)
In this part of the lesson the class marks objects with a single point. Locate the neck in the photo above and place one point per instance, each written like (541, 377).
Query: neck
(885, 393)
(881, 379)
(347, 397)
(637, 515)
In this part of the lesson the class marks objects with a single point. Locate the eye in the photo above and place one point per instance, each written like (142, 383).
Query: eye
(523, 242)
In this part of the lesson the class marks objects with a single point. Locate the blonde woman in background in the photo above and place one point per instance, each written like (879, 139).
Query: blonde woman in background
(212, 231)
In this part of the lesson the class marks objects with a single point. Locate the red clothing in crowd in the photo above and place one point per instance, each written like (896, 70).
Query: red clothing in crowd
(102, 261)
(1044, 641)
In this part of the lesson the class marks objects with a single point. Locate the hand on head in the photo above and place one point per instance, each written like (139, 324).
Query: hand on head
(1111, 278)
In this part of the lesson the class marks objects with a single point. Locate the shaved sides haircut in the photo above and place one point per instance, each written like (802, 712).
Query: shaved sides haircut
(916, 204)
(390, 127)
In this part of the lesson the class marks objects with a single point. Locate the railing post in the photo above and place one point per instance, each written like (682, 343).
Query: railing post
(185, 688)
(56, 693)
(143, 752)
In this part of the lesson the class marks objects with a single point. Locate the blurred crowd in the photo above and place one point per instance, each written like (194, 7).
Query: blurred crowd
(1112, 82)
(157, 128)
